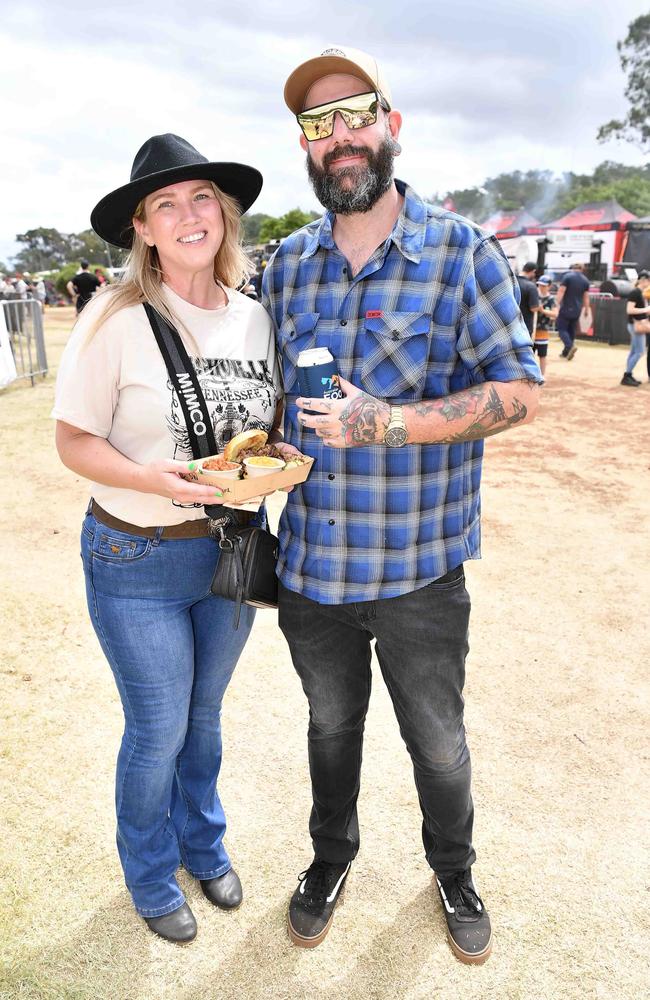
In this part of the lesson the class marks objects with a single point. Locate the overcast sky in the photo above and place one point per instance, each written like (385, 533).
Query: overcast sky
(484, 87)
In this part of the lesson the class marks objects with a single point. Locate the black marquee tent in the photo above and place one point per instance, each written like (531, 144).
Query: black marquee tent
(636, 250)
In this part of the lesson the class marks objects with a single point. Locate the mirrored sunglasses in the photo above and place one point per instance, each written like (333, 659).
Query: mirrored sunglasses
(357, 112)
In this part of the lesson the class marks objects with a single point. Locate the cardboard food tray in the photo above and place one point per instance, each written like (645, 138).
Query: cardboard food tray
(240, 490)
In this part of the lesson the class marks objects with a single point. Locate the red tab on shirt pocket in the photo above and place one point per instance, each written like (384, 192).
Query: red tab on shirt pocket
(374, 314)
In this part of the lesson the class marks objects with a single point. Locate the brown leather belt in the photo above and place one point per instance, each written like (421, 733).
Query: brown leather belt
(187, 529)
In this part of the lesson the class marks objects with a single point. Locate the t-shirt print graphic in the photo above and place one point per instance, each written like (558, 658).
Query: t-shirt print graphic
(239, 395)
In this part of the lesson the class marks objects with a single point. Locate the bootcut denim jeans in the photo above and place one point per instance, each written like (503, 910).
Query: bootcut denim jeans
(421, 645)
(172, 649)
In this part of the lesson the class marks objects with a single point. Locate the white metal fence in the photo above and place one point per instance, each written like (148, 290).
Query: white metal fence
(22, 342)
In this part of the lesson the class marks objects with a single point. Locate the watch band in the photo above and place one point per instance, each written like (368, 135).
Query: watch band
(396, 434)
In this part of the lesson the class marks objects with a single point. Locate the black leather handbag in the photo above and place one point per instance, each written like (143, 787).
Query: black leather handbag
(245, 572)
(248, 556)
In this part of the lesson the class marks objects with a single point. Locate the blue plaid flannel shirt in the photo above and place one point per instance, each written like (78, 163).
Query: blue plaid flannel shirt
(433, 311)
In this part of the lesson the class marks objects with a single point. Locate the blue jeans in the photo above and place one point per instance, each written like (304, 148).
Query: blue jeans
(567, 328)
(172, 649)
(637, 348)
(421, 645)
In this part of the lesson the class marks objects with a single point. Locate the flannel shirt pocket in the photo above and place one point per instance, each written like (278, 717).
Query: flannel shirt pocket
(396, 351)
(296, 334)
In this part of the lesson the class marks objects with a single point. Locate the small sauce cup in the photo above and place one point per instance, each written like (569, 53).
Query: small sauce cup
(262, 465)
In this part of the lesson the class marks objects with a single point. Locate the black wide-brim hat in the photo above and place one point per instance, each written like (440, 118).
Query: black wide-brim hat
(168, 159)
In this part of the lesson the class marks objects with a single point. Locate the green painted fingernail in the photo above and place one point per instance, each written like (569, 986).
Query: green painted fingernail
(218, 493)
(191, 466)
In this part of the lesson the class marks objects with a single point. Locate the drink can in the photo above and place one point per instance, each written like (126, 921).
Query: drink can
(317, 374)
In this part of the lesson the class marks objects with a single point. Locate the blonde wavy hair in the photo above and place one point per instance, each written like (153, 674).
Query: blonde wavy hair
(143, 278)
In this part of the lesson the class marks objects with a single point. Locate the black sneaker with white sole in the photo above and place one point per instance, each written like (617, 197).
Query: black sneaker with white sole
(468, 924)
(311, 908)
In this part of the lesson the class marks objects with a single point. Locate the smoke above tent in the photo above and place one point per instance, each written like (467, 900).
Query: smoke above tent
(592, 214)
(509, 222)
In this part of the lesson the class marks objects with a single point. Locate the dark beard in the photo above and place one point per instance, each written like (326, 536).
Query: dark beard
(370, 181)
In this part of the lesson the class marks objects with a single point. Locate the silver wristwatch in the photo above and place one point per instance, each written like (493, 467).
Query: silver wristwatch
(395, 435)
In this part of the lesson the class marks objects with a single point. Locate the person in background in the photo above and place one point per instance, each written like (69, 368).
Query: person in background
(638, 324)
(529, 303)
(101, 277)
(572, 299)
(40, 293)
(52, 297)
(83, 286)
(16, 293)
(546, 316)
(256, 280)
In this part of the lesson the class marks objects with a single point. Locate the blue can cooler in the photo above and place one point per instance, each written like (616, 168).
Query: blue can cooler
(317, 375)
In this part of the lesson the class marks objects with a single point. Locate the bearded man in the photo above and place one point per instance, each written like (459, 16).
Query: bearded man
(420, 310)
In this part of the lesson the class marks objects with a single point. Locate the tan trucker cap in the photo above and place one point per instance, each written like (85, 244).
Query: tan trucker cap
(333, 60)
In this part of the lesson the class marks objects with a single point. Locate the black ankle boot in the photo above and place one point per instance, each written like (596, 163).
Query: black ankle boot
(224, 891)
(178, 926)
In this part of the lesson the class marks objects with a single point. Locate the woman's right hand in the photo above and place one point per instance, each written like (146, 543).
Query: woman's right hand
(164, 478)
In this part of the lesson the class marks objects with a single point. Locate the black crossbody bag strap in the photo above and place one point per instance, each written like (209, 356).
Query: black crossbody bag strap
(195, 409)
(185, 381)
(230, 577)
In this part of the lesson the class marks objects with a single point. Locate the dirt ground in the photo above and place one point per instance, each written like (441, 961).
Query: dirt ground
(556, 716)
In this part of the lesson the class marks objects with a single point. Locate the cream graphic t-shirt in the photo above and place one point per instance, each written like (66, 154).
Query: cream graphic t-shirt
(117, 387)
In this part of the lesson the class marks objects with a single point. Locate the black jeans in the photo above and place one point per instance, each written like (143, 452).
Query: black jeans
(421, 645)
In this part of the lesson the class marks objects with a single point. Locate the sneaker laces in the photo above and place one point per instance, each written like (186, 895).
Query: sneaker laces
(316, 881)
(461, 894)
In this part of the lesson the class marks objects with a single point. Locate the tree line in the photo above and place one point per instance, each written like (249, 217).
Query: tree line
(543, 194)
(47, 249)
(548, 196)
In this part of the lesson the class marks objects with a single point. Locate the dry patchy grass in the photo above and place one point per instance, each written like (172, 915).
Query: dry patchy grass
(556, 715)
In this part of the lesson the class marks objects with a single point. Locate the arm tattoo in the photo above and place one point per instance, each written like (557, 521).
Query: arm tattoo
(452, 407)
(364, 420)
(492, 420)
(482, 403)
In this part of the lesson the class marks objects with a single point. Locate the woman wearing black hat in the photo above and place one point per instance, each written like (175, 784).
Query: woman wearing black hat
(147, 557)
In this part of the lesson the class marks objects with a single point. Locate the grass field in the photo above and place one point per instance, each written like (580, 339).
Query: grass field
(556, 715)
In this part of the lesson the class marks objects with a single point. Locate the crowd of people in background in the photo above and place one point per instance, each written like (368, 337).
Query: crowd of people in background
(547, 305)
(22, 286)
(86, 282)
(15, 287)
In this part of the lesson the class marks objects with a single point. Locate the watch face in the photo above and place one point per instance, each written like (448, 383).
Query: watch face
(395, 437)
